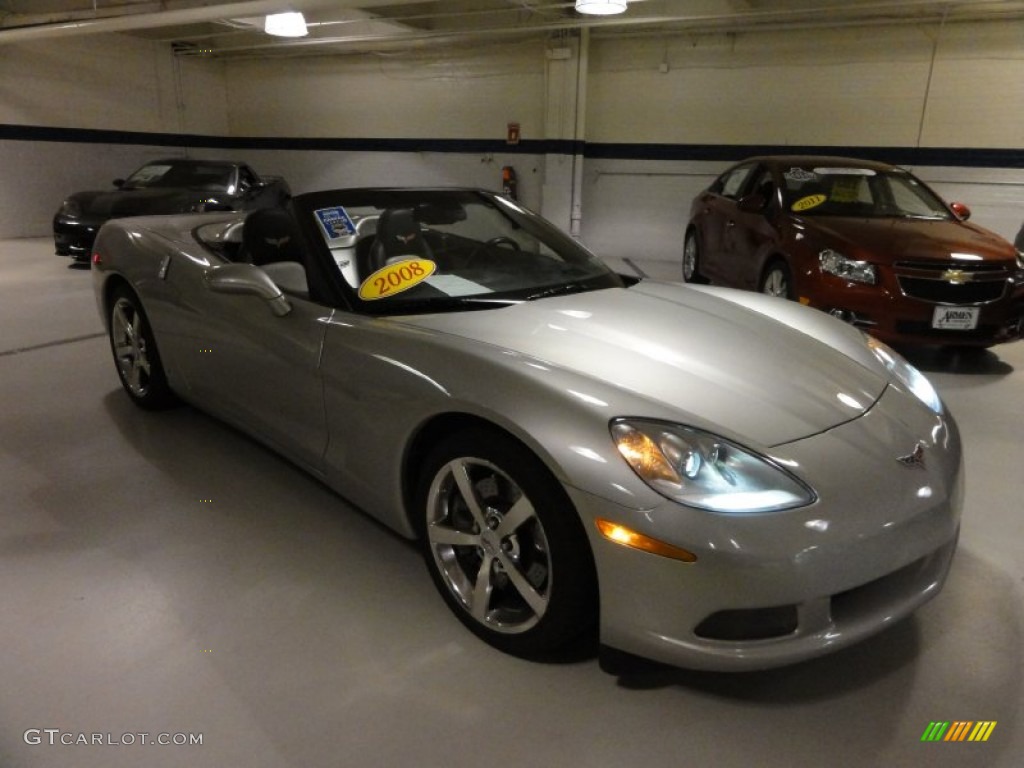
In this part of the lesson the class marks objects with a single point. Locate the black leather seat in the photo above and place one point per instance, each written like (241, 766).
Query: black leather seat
(270, 235)
(398, 236)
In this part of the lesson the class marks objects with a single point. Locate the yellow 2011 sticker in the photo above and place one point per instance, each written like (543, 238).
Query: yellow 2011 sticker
(806, 203)
(395, 278)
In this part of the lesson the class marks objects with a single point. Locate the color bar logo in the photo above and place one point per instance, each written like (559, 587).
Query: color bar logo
(959, 730)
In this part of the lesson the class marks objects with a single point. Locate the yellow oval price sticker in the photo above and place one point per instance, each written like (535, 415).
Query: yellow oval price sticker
(805, 203)
(395, 278)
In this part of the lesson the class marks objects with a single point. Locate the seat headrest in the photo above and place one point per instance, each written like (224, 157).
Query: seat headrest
(270, 235)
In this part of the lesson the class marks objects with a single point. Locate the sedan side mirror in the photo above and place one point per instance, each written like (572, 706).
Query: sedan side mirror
(962, 211)
(250, 281)
(118, 183)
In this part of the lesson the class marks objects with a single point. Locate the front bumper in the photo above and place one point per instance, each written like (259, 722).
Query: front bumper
(74, 237)
(895, 316)
(774, 589)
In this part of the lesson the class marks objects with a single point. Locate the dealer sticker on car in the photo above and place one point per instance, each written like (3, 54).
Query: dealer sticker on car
(956, 318)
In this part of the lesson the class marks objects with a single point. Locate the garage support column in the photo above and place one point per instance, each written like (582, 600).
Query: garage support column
(565, 102)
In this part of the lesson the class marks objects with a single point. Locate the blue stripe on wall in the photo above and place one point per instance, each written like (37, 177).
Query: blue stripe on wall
(725, 153)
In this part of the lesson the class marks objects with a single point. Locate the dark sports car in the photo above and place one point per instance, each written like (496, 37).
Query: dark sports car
(864, 241)
(163, 186)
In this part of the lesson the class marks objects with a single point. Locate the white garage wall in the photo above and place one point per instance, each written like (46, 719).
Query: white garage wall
(841, 87)
(114, 82)
(96, 82)
(846, 88)
(958, 87)
(467, 93)
(815, 87)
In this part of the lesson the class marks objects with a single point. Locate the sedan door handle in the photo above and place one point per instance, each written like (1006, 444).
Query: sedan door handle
(730, 223)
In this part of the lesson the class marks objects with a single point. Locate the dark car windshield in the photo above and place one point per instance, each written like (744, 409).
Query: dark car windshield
(190, 174)
(411, 251)
(858, 192)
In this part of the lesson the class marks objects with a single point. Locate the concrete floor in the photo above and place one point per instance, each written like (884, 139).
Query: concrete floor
(163, 574)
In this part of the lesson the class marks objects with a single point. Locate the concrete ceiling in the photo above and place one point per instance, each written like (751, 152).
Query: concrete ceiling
(234, 29)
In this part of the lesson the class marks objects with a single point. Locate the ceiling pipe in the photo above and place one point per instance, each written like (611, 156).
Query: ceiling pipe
(885, 12)
(827, 14)
(166, 18)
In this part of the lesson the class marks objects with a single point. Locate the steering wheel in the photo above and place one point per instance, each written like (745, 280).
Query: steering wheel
(493, 243)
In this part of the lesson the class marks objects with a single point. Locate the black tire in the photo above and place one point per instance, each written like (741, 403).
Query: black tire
(691, 259)
(517, 543)
(136, 356)
(777, 280)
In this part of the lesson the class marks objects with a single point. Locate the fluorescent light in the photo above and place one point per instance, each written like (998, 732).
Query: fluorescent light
(286, 25)
(600, 7)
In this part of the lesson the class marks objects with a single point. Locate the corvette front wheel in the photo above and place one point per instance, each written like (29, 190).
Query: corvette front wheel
(504, 545)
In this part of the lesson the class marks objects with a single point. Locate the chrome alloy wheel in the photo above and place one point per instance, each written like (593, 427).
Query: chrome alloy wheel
(489, 545)
(776, 283)
(690, 258)
(128, 337)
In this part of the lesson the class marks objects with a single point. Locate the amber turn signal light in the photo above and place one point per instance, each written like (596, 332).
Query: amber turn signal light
(620, 534)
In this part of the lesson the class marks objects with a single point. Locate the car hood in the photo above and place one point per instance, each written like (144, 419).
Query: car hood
(140, 202)
(699, 357)
(919, 239)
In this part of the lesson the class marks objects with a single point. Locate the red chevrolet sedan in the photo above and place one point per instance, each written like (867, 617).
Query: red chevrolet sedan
(864, 241)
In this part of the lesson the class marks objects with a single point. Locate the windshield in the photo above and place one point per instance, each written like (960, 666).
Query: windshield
(859, 193)
(404, 251)
(192, 174)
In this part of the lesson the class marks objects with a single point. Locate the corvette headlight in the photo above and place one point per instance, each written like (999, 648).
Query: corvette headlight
(834, 263)
(906, 374)
(703, 470)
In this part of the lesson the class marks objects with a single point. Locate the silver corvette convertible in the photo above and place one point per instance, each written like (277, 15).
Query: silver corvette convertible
(708, 478)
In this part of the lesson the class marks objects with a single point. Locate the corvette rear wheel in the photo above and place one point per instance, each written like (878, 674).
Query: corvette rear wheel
(504, 545)
(135, 353)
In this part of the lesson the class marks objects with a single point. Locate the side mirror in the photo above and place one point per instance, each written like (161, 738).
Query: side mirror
(118, 183)
(754, 203)
(962, 211)
(248, 280)
(289, 276)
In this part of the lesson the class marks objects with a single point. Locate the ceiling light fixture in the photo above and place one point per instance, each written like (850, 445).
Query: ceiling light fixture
(600, 7)
(291, 24)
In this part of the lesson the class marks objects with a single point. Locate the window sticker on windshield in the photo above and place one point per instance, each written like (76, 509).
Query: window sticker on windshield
(844, 171)
(806, 203)
(799, 174)
(335, 222)
(395, 278)
(846, 190)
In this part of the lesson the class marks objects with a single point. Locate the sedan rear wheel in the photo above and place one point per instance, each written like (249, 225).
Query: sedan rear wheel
(135, 353)
(504, 545)
(776, 281)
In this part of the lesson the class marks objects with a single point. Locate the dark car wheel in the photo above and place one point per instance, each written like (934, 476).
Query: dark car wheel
(777, 281)
(691, 259)
(135, 353)
(504, 545)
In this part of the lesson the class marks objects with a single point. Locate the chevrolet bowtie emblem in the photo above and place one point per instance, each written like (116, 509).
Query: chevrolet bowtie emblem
(914, 459)
(957, 276)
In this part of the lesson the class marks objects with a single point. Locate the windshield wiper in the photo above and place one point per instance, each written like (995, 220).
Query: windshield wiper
(558, 290)
(447, 304)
